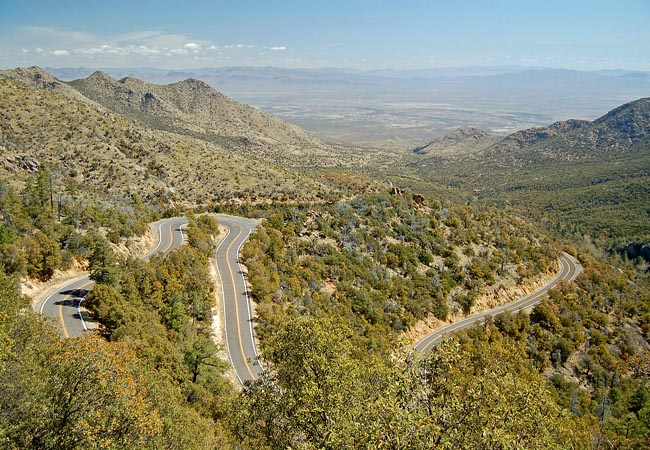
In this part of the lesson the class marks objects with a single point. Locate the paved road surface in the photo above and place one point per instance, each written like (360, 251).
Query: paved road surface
(240, 341)
(570, 270)
(62, 305)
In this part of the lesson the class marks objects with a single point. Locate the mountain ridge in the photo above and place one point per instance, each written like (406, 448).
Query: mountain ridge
(194, 108)
(85, 144)
(461, 140)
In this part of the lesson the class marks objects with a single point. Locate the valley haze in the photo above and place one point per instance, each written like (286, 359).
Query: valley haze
(355, 106)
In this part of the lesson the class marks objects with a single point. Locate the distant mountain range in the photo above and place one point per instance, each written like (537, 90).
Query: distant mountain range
(355, 105)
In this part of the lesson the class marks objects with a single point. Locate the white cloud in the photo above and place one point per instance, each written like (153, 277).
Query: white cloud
(238, 46)
(141, 50)
(169, 40)
(54, 46)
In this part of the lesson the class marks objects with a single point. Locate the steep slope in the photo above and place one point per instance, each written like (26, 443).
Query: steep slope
(594, 176)
(613, 135)
(193, 108)
(94, 149)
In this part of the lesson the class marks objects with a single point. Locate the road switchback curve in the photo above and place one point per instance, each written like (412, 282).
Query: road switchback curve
(570, 269)
(63, 305)
(238, 319)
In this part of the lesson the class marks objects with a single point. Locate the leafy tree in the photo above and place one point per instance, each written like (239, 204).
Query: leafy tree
(43, 255)
(103, 264)
(321, 393)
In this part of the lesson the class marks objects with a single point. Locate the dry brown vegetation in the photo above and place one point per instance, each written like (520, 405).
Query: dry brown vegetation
(109, 154)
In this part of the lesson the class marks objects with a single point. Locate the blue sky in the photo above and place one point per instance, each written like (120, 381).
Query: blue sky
(574, 34)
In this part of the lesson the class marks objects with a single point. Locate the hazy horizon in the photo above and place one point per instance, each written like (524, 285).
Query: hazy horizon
(352, 105)
(468, 69)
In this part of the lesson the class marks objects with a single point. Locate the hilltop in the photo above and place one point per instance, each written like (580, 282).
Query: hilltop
(192, 108)
(38, 78)
(620, 132)
(532, 136)
(457, 142)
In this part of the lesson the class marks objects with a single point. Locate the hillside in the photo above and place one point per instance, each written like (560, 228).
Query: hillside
(592, 177)
(193, 108)
(38, 78)
(87, 146)
(533, 136)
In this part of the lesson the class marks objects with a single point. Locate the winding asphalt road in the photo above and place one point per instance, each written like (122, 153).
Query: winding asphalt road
(63, 304)
(238, 323)
(570, 269)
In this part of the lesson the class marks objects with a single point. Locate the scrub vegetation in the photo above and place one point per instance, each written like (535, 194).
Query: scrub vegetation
(343, 268)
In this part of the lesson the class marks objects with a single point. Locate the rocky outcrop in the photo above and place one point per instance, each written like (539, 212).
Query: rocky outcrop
(636, 250)
(419, 200)
(193, 108)
(15, 163)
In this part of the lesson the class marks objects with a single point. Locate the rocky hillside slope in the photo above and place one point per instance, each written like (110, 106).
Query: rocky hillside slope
(87, 146)
(193, 108)
(457, 142)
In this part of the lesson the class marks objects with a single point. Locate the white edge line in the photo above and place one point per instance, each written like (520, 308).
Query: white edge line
(62, 288)
(58, 290)
(248, 303)
(557, 279)
(153, 251)
(223, 300)
(180, 230)
(81, 317)
(55, 291)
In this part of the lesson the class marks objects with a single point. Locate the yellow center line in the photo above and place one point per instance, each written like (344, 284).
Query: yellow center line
(65, 329)
(232, 278)
(61, 318)
(171, 240)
